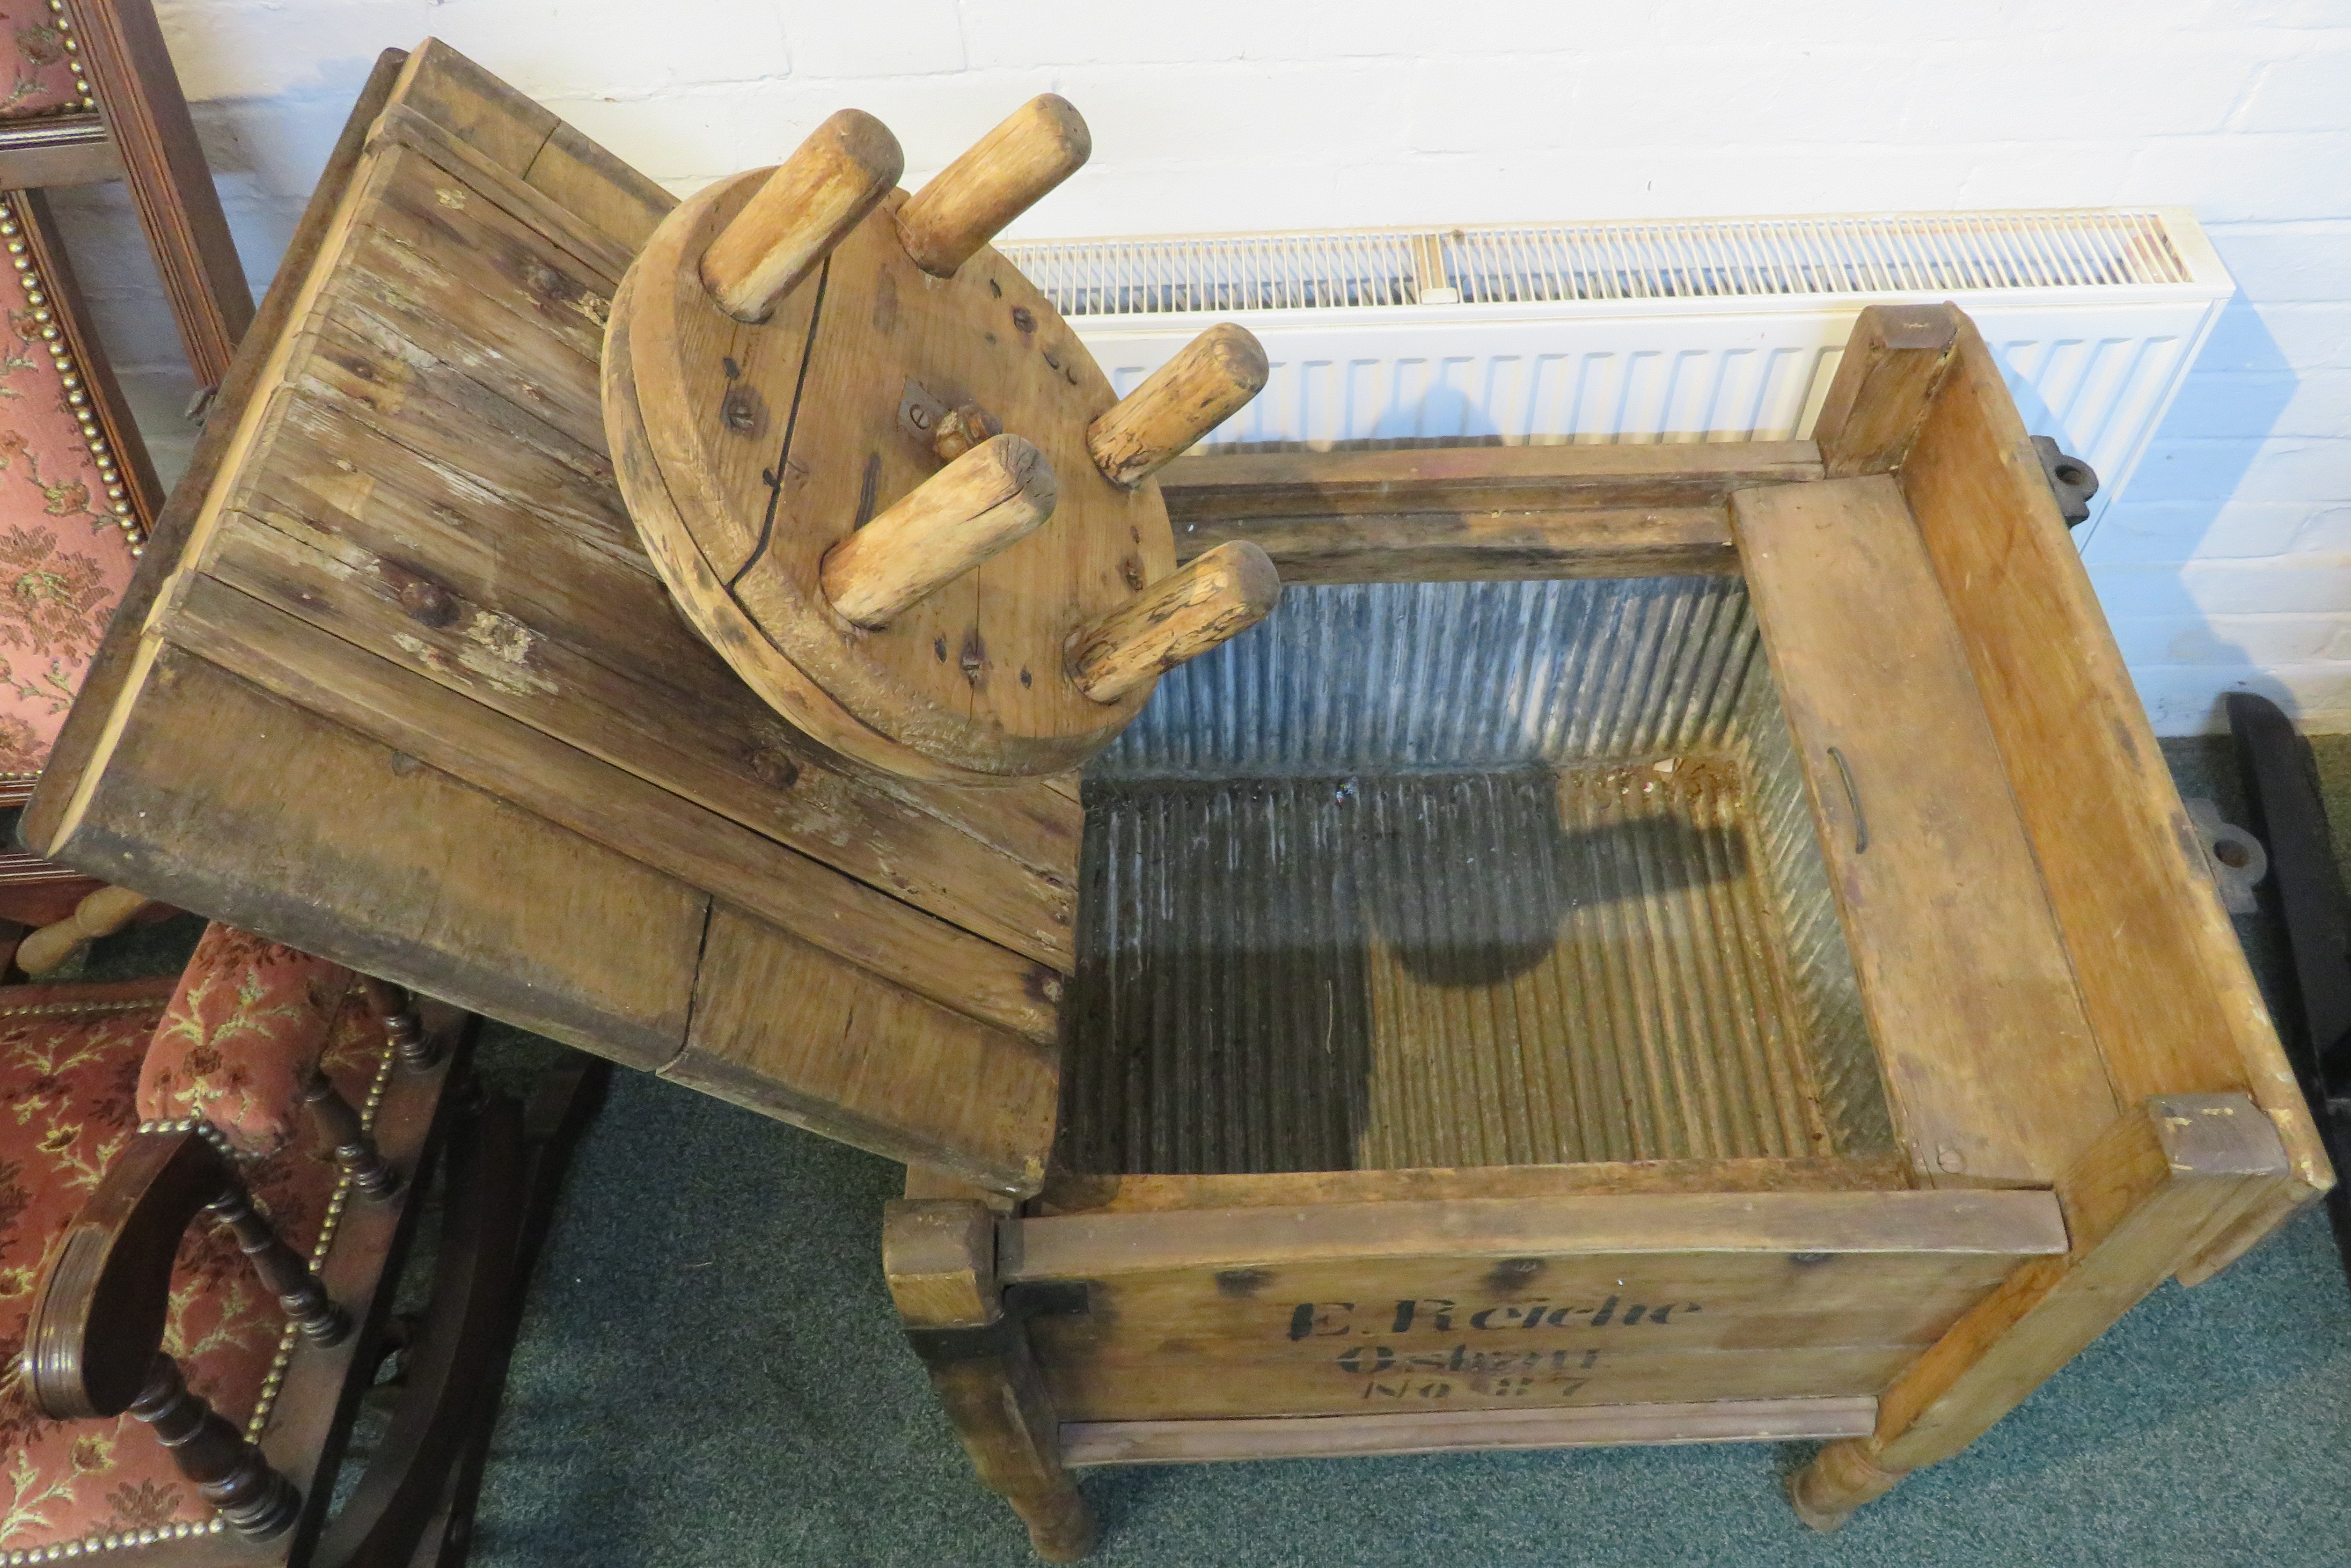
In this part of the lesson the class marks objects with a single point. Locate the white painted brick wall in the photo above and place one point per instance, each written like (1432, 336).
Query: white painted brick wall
(2227, 564)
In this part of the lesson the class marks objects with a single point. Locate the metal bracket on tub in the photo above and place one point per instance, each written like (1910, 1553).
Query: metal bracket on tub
(2071, 480)
(2237, 859)
(999, 1336)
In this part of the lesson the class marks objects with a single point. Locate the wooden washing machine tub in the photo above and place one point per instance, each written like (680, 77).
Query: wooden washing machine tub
(1650, 944)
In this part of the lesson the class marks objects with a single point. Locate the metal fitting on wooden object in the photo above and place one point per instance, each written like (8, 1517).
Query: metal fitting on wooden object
(2071, 480)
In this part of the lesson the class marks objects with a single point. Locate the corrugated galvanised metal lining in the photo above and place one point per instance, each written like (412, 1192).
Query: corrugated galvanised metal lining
(1460, 874)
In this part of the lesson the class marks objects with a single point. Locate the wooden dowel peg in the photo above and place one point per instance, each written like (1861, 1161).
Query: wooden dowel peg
(1205, 384)
(1220, 595)
(1000, 177)
(813, 199)
(993, 495)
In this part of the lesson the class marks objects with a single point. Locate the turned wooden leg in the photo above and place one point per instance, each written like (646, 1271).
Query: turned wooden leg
(1840, 1478)
(940, 1256)
(345, 1134)
(396, 1010)
(227, 1470)
(2144, 1200)
(281, 1268)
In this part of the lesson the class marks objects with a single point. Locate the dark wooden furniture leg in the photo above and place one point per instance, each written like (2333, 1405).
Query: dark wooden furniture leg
(341, 1127)
(565, 1099)
(473, 1287)
(396, 1010)
(282, 1270)
(227, 1470)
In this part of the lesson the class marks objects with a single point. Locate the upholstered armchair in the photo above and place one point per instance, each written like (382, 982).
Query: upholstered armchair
(88, 96)
(206, 1188)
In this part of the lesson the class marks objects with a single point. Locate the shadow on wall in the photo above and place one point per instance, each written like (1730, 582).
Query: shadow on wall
(2177, 573)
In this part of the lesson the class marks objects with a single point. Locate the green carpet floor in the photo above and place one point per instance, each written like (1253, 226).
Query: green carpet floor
(708, 1377)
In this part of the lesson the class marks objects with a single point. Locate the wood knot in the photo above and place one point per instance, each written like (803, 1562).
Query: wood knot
(1130, 571)
(774, 769)
(428, 604)
(1022, 319)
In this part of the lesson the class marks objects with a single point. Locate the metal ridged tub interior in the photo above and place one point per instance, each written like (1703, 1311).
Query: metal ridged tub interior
(1458, 874)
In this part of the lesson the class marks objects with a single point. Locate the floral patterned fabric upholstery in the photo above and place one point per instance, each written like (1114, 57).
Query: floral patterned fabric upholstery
(40, 75)
(249, 1018)
(69, 1058)
(65, 558)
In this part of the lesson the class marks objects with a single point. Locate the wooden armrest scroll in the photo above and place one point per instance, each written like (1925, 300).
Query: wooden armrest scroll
(98, 1321)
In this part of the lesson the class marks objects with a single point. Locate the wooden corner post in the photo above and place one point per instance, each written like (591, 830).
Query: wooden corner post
(2146, 1198)
(1885, 386)
(940, 1256)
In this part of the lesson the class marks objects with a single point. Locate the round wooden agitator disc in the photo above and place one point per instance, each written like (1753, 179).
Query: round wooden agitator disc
(747, 450)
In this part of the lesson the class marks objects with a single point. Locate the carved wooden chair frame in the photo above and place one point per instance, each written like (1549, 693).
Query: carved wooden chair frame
(95, 1342)
(131, 124)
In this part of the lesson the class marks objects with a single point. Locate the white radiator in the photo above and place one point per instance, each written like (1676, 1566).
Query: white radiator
(1716, 330)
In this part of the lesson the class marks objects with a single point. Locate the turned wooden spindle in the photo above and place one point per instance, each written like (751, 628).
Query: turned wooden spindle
(102, 913)
(228, 1471)
(347, 1135)
(1001, 176)
(813, 199)
(1205, 384)
(282, 1270)
(993, 495)
(1219, 595)
(395, 1009)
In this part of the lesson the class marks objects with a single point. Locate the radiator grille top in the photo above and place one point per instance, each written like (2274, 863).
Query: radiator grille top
(1721, 258)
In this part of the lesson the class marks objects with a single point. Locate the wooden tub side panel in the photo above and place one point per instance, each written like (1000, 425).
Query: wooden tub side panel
(2164, 982)
(1508, 1305)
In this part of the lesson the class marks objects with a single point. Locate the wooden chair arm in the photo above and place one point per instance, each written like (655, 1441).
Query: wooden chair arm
(98, 1321)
